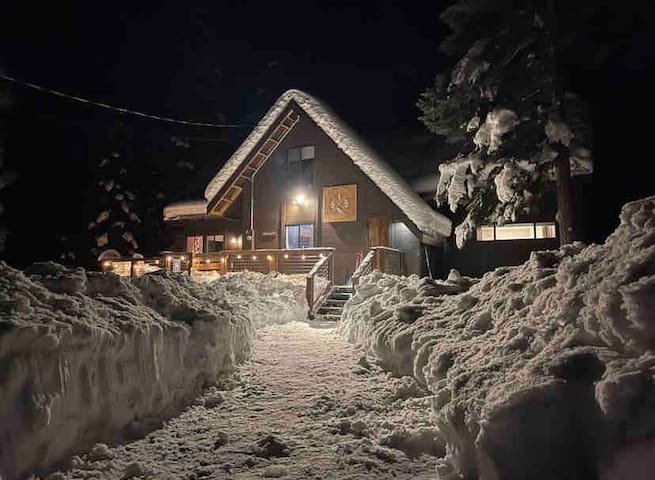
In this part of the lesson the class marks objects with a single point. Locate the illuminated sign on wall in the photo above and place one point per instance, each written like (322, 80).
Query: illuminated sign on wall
(340, 203)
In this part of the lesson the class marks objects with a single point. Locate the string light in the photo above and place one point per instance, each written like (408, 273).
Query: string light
(127, 111)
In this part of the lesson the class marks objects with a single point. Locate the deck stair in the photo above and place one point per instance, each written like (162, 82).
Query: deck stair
(332, 307)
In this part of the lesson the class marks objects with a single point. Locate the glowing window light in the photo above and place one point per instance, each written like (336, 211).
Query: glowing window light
(234, 241)
(169, 258)
(107, 264)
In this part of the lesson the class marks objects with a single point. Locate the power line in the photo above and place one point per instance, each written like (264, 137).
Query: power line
(117, 109)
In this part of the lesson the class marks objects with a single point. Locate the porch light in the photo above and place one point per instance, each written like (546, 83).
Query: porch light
(107, 264)
(300, 199)
(254, 257)
(183, 258)
(222, 259)
(302, 256)
(208, 261)
(286, 255)
(239, 257)
(234, 241)
(269, 258)
(169, 258)
(156, 262)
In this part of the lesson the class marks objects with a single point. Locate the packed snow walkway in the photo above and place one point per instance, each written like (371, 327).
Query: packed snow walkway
(307, 405)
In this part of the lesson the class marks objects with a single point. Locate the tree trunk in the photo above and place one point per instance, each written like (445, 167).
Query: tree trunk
(565, 211)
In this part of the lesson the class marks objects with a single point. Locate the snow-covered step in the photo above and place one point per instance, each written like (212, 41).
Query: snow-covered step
(343, 289)
(328, 318)
(335, 302)
(332, 307)
(330, 310)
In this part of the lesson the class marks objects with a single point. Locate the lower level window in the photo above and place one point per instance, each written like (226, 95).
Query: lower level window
(215, 243)
(516, 231)
(300, 236)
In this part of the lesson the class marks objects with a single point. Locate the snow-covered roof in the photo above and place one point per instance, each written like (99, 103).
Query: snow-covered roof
(185, 208)
(426, 219)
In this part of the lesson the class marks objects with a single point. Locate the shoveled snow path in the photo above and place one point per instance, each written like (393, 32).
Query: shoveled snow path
(307, 386)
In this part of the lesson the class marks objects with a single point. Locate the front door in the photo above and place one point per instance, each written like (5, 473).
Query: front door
(378, 232)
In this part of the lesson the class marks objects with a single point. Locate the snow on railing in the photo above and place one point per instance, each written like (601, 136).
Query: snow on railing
(319, 281)
(384, 259)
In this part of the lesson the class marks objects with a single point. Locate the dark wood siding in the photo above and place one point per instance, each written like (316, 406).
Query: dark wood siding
(178, 230)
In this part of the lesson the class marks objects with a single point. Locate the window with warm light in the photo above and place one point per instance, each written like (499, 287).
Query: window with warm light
(545, 230)
(300, 236)
(215, 243)
(300, 165)
(516, 231)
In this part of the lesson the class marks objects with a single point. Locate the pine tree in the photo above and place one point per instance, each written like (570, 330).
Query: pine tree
(117, 222)
(507, 104)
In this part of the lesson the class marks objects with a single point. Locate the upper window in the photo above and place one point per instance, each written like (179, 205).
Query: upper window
(300, 236)
(516, 231)
(300, 165)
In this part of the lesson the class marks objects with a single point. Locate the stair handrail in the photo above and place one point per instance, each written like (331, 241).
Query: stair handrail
(364, 268)
(372, 261)
(323, 267)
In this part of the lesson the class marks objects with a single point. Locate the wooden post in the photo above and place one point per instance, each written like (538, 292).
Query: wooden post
(310, 293)
(565, 213)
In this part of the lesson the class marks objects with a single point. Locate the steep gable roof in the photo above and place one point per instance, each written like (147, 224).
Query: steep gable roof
(427, 220)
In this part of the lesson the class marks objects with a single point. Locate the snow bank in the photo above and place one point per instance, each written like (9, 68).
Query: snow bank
(90, 356)
(541, 371)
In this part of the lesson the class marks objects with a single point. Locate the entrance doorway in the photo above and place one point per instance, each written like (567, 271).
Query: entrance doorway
(378, 232)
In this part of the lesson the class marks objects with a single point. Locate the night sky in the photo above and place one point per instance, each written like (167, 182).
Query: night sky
(228, 61)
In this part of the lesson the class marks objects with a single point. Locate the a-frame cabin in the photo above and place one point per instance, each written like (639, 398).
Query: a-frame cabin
(304, 179)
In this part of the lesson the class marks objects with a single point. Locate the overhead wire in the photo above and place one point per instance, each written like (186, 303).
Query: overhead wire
(125, 111)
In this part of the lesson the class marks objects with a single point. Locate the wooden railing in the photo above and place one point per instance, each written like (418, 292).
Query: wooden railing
(288, 261)
(135, 267)
(316, 264)
(384, 259)
(319, 282)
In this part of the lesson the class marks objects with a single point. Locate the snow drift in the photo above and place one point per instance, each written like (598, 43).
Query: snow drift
(89, 356)
(541, 371)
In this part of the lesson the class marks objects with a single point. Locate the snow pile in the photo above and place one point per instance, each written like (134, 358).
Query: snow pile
(541, 371)
(89, 356)
(185, 208)
(420, 213)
